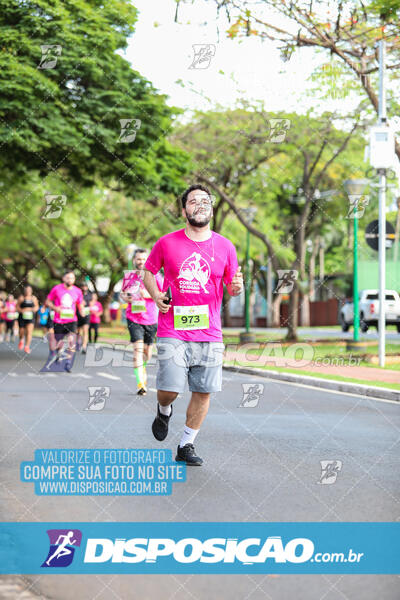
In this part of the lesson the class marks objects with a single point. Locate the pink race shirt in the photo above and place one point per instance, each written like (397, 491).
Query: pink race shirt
(95, 312)
(66, 299)
(148, 316)
(195, 280)
(10, 308)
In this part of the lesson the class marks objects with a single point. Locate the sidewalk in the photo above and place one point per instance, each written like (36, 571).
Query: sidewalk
(350, 371)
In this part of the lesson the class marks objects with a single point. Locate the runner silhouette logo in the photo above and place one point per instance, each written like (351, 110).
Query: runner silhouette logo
(195, 272)
(62, 547)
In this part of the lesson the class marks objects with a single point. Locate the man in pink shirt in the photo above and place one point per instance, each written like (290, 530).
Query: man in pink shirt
(141, 316)
(64, 299)
(196, 262)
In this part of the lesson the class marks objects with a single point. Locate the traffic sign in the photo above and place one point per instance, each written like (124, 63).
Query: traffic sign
(372, 235)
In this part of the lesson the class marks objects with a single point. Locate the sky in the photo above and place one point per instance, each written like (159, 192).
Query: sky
(161, 50)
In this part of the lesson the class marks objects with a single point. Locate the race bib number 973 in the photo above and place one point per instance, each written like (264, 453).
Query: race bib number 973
(191, 317)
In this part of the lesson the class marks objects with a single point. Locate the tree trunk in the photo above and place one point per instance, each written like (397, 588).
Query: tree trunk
(291, 335)
(305, 310)
(276, 309)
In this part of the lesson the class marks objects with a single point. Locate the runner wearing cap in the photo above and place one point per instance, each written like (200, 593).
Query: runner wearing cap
(141, 316)
(196, 262)
(64, 299)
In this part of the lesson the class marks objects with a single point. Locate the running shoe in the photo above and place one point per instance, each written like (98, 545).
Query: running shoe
(160, 425)
(188, 455)
(27, 350)
(21, 345)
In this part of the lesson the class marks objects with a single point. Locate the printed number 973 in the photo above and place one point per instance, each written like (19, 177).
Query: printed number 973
(191, 319)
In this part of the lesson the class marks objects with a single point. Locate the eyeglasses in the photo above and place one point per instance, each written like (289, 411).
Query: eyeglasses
(207, 202)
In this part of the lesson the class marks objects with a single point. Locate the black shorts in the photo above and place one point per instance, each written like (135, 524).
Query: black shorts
(23, 322)
(83, 320)
(147, 333)
(10, 325)
(64, 328)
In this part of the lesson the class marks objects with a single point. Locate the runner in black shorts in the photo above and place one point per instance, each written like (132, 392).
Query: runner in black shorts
(64, 299)
(27, 306)
(84, 319)
(11, 316)
(141, 316)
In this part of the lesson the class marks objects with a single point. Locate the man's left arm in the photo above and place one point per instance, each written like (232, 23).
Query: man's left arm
(235, 287)
(233, 277)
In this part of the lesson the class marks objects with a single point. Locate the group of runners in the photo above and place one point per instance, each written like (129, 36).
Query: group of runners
(181, 307)
(18, 316)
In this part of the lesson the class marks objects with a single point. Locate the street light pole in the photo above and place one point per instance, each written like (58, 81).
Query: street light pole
(355, 189)
(382, 210)
(356, 317)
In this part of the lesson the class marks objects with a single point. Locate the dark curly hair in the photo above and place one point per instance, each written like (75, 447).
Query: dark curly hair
(196, 186)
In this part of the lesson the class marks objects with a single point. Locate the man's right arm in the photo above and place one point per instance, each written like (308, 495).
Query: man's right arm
(49, 302)
(151, 286)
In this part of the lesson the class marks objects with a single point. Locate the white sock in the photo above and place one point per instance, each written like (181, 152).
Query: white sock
(188, 436)
(165, 410)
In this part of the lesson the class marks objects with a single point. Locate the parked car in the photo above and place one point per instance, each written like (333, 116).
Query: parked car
(368, 305)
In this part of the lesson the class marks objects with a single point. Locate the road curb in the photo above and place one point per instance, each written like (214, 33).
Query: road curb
(327, 384)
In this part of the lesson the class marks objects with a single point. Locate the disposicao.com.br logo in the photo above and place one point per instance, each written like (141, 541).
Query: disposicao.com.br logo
(212, 550)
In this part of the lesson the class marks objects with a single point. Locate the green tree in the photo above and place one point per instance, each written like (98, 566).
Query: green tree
(282, 170)
(65, 89)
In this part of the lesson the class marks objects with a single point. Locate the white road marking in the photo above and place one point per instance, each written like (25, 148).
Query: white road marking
(108, 376)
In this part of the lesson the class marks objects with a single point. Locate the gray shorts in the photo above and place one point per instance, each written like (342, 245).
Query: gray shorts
(198, 364)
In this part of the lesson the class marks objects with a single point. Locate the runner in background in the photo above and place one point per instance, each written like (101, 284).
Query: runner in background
(64, 299)
(11, 315)
(2, 316)
(141, 315)
(44, 316)
(96, 310)
(27, 306)
(84, 317)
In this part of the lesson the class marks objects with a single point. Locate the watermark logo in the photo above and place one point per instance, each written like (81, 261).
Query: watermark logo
(286, 279)
(278, 130)
(195, 273)
(357, 206)
(251, 394)
(131, 285)
(63, 543)
(129, 128)
(50, 54)
(62, 356)
(203, 54)
(329, 471)
(54, 206)
(98, 396)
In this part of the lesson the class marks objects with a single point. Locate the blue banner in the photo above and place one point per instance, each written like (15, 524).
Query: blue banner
(222, 548)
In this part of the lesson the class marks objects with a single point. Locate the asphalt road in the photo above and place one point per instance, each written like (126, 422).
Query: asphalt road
(261, 463)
